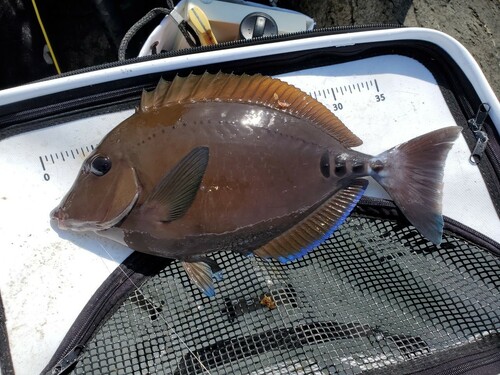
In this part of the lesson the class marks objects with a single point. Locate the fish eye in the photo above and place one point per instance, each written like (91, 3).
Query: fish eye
(100, 165)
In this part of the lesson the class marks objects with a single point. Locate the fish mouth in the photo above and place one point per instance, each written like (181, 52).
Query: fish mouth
(64, 222)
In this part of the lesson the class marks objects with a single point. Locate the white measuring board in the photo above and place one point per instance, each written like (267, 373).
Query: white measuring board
(47, 276)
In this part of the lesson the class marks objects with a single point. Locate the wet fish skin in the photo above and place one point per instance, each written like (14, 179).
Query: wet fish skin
(217, 163)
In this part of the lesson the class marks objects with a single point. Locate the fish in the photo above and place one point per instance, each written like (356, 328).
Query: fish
(242, 163)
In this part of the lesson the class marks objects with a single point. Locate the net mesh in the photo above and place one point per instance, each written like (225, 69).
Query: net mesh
(373, 295)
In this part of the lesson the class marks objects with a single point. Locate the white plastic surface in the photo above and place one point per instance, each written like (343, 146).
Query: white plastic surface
(45, 279)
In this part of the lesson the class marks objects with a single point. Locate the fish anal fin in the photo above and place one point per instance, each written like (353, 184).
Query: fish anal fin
(175, 193)
(202, 271)
(257, 89)
(314, 229)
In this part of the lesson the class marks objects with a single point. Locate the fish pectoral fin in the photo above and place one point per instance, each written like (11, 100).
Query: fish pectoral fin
(202, 271)
(317, 227)
(175, 193)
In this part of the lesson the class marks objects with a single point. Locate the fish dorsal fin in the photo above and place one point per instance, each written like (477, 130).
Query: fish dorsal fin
(317, 227)
(174, 194)
(257, 89)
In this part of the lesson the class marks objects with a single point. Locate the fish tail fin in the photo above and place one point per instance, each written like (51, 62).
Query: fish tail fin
(412, 174)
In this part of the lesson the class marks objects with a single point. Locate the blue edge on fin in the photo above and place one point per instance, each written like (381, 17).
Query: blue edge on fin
(313, 244)
(210, 290)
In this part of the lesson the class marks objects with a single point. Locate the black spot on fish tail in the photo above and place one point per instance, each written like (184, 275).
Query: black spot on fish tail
(358, 167)
(340, 170)
(377, 165)
(340, 167)
(324, 164)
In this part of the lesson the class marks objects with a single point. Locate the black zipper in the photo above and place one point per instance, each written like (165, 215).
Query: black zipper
(484, 361)
(29, 119)
(6, 364)
(16, 117)
(482, 357)
(133, 272)
(475, 364)
(234, 43)
(74, 348)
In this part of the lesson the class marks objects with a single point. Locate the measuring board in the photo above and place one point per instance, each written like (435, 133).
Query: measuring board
(384, 100)
(62, 156)
(338, 93)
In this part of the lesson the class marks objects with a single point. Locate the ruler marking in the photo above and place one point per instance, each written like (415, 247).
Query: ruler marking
(46, 158)
(77, 152)
(92, 147)
(359, 88)
(333, 93)
(342, 91)
(350, 89)
(324, 93)
(41, 161)
(52, 158)
(73, 154)
(376, 85)
(87, 148)
(62, 156)
(83, 152)
(67, 154)
(57, 157)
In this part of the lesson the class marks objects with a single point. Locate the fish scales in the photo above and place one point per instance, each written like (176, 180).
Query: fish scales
(247, 182)
(242, 163)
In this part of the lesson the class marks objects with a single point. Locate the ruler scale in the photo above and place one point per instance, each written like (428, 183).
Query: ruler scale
(55, 159)
(336, 97)
(347, 89)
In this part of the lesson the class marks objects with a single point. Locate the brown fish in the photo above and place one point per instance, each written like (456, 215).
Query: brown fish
(242, 163)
